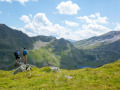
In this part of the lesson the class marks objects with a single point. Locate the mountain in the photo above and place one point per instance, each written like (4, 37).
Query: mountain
(98, 41)
(43, 38)
(106, 77)
(71, 40)
(105, 47)
(41, 49)
(47, 50)
(11, 39)
(61, 53)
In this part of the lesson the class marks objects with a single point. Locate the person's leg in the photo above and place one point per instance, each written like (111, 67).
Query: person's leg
(16, 59)
(15, 62)
(24, 58)
(19, 59)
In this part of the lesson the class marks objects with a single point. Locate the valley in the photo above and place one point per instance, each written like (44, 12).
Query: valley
(58, 52)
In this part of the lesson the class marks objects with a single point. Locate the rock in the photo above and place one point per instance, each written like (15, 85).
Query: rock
(48, 64)
(55, 69)
(17, 64)
(68, 77)
(23, 67)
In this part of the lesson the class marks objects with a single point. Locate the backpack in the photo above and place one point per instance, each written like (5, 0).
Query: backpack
(25, 52)
(16, 53)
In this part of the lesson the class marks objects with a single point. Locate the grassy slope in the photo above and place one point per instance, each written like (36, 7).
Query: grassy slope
(106, 77)
(41, 56)
(65, 59)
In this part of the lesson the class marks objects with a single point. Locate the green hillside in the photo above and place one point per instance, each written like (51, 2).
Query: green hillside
(11, 39)
(106, 77)
(105, 48)
(60, 53)
(57, 52)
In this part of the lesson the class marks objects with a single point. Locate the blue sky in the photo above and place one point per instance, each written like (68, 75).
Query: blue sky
(69, 19)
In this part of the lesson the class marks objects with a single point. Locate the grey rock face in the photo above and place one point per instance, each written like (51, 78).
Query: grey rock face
(23, 67)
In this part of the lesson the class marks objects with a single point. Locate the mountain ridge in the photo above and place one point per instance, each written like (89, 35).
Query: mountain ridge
(104, 39)
(57, 52)
(41, 49)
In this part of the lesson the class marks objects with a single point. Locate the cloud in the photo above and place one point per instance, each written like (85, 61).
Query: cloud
(40, 19)
(93, 26)
(35, 0)
(13, 27)
(96, 28)
(0, 12)
(72, 24)
(94, 18)
(39, 24)
(30, 15)
(68, 8)
(6, 1)
(25, 19)
(20, 1)
(117, 27)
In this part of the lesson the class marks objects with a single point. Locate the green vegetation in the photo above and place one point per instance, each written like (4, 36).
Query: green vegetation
(42, 56)
(106, 77)
(10, 40)
(59, 53)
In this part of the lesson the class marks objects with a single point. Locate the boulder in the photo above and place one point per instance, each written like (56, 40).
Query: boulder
(55, 69)
(23, 67)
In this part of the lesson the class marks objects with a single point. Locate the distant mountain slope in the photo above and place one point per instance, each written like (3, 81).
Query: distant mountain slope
(44, 50)
(13, 39)
(41, 49)
(60, 53)
(106, 48)
(95, 42)
(43, 38)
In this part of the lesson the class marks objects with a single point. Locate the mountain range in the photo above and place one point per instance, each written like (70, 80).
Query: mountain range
(105, 47)
(98, 41)
(47, 50)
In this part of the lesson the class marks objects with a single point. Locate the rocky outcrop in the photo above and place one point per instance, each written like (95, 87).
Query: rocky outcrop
(23, 68)
(55, 69)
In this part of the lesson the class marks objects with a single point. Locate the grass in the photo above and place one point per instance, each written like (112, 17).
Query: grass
(106, 77)
(42, 56)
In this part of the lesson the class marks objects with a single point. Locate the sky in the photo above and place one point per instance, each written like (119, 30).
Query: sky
(69, 19)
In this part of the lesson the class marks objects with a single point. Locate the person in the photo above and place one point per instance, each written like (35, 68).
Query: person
(25, 55)
(17, 55)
